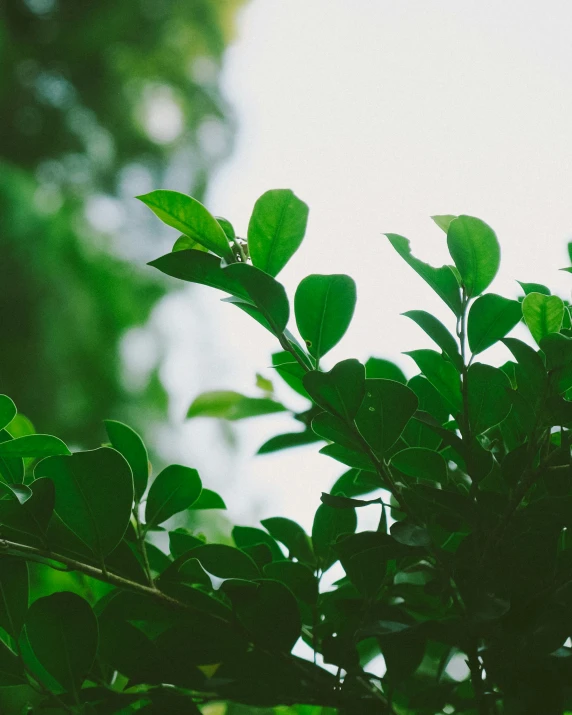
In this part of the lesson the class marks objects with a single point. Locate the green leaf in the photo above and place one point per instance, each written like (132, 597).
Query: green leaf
(409, 534)
(190, 217)
(329, 525)
(21, 492)
(182, 541)
(324, 306)
(94, 495)
(184, 243)
(33, 445)
(198, 267)
(175, 489)
(276, 229)
(11, 668)
(386, 409)
(417, 434)
(11, 468)
(534, 288)
(543, 314)
(288, 440)
(229, 405)
(247, 536)
(128, 443)
(339, 391)
(290, 371)
(441, 374)
(444, 221)
(270, 613)
(488, 397)
(474, 247)
(530, 372)
(13, 594)
(382, 368)
(264, 292)
(33, 516)
(439, 333)
(337, 501)
(334, 429)
(354, 483)
(558, 351)
(442, 280)
(297, 577)
(225, 561)
(208, 500)
(293, 537)
(63, 633)
(491, 317)
(421, 463)
(349, 457)
(7, 411)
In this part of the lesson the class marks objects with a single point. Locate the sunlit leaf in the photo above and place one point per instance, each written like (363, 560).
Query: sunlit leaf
(543, 314)
(474, 247)
(175, 489)
(491, 317)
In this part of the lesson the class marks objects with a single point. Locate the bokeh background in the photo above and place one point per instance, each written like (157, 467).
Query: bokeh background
(378, 114)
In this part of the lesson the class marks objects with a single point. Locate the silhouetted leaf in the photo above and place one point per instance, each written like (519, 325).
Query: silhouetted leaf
(329, 525)
(421, 463)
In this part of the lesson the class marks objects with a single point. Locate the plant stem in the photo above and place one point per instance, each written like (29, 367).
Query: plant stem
(142, 547)
(286, 345)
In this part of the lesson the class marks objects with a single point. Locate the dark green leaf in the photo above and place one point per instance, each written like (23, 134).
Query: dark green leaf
(334, 429)
(491, 317)
(488, 397)
(20, 491)
(297, 577)
(276, 229)
(198, 267)
(208, 500)
(474, 247)
(339, 391)
(441, 374)
(11, 668)
(442, 280)
(33, 516)
(558, 351)
(229, 405)
(349, 457)
(11, 468)
(386, 409)
(190, 217)
(225, 561)
(175, 489)
(293, 537)
(329, 525)
(264, 292)
(126, 441)
(354, 483)
(340, 502)
(94, 495)
(324, 306)
(439, 333)
(417, 434)
(33, 445)
(530, 372)
(62, 631)
(7, 411)
(288, 440)
(410, 534)
(290, 371)
(13, 594)
(245, 536)
(421, 463)
(543, 314)
(385, 369)
(181, 541)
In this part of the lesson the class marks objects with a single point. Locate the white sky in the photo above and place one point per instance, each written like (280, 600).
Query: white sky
(379, 114)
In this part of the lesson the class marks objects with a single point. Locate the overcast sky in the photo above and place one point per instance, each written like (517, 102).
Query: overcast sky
(380, 114)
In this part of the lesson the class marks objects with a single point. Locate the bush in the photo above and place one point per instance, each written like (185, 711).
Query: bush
(471, 560)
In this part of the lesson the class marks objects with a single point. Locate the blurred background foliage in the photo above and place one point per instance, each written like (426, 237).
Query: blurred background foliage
(102, 100)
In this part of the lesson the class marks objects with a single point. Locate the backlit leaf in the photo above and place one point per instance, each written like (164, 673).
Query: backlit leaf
(175, 489)
(441, 374)
(543, 314)
(491, 317)
(33, 445)
(7, 411)
(126, 441)
(439, 333)
(230, 405)
(474, 247)
(339, 391)
(276, 229)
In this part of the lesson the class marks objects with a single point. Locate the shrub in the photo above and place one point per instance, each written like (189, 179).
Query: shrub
(471, 559)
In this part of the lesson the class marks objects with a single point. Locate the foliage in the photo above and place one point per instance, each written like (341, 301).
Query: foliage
(81, 85)
(468, 466)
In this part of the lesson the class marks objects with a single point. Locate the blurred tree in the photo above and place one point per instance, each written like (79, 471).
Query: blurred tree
(102, 100)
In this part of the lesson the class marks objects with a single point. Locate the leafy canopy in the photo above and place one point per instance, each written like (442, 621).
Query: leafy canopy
(466, 468)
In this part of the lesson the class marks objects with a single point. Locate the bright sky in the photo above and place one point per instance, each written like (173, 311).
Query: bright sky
(380, 114)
